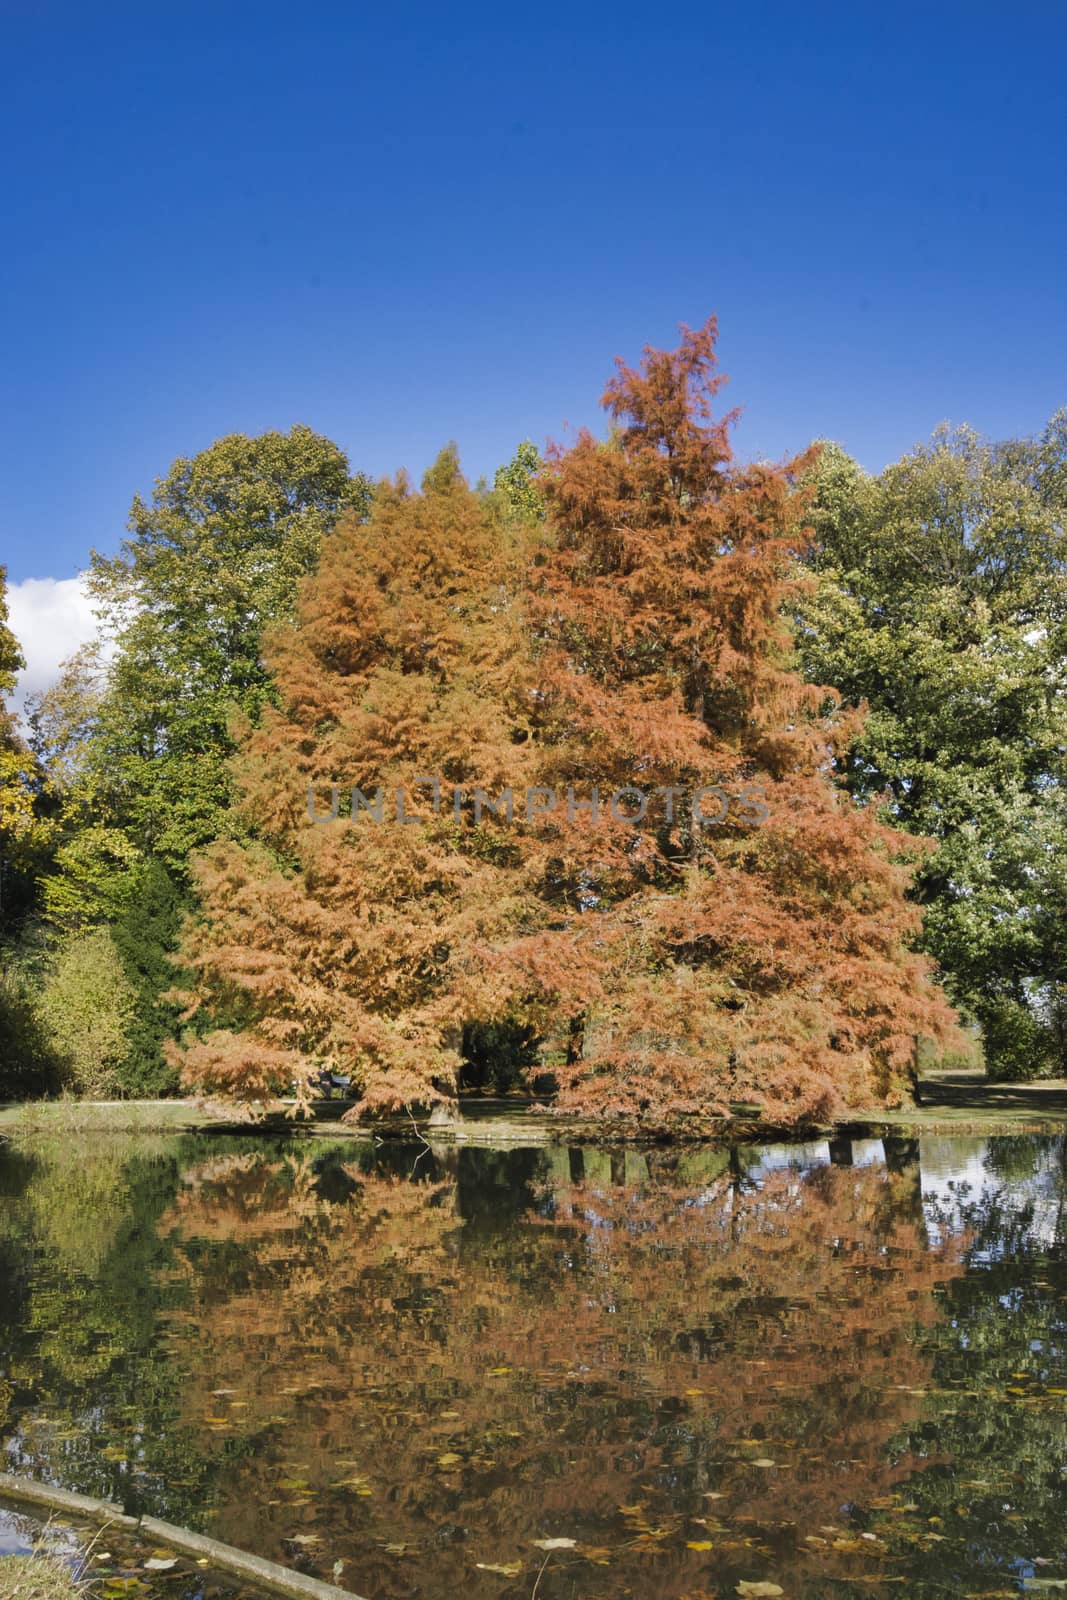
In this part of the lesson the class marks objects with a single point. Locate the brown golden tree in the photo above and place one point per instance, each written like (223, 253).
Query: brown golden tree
(357, 944)
(704, 957)
(679, 898)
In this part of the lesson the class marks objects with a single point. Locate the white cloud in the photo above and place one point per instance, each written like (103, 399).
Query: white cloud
(50, 618)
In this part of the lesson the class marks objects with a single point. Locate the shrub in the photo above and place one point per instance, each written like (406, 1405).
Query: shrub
(87, 1006)
(1018, 1046)
(28, 1064)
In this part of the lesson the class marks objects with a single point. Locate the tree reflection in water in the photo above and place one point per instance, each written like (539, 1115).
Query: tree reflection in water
(702, 1367)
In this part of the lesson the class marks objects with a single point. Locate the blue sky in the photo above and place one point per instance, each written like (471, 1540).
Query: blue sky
(402, 224)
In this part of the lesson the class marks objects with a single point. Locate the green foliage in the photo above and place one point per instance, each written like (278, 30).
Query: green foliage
(11, 660)
(92, 879)
(1018, 1040)
(145, 935)
(497, 1057)
(516, 482)
(62, 720)
(132, 754)
(87, 1006)
(28, 1063)
(942, 602)
(214, 559)
(84, 1319)
(16, 776)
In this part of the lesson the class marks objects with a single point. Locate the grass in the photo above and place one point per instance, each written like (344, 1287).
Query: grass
(103, 1116)
(959, 1101)
(963, 1102)
(40, 1577)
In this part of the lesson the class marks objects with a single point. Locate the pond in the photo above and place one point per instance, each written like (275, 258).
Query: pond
(576, 1372)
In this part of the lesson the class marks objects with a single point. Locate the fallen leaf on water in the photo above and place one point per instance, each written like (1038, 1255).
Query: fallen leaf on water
(555, 1544)
(752, 1590)
(155, 1564)
(449, 1459)
(763, 1461)
(699, 1544)
(506, 1569)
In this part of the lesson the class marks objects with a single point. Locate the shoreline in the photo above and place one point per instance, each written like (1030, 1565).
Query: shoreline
(961, 1104)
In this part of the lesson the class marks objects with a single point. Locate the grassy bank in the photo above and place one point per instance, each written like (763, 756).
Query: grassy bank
(40, 1577)
(963, 1103)
(105, 1116)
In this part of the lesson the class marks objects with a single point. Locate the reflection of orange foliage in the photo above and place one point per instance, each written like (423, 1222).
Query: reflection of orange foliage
(607, 1347)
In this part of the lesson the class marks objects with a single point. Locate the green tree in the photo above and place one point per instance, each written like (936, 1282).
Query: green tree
(16, 785)
(146, 934)
(213, 559)
(517, 482)
(941, 601)
(133, 751)
(62, 719)
(87, 1006)
(26, 1063)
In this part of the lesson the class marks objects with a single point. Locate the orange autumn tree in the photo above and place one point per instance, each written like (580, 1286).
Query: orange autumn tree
(679, 955)
(703, 962)
(355, 945)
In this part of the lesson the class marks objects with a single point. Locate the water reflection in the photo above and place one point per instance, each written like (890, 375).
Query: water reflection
(824, 1366)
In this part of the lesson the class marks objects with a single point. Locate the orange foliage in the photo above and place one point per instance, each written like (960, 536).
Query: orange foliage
(637, 643)
(738, 963)
(357, 945)
(593, 1365)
